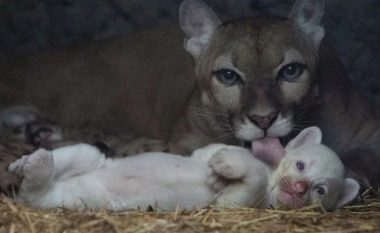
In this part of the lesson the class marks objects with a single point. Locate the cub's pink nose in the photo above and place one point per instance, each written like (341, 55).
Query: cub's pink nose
(300, 187)
(264, 122)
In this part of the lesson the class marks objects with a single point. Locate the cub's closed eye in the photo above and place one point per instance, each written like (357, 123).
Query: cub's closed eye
(227, 77)
(291, 72)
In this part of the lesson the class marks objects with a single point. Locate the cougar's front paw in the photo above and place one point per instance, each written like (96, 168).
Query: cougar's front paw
(229, 163)
(17, 116)
(43, 133)
(26, 124)
(36, 168)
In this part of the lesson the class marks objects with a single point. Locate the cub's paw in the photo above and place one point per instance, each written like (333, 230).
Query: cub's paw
(229, 163)
(17, 166)
(36, 168)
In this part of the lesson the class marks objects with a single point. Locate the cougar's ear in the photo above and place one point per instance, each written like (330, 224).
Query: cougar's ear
(199, 22)
(307, 14)
(310, 135)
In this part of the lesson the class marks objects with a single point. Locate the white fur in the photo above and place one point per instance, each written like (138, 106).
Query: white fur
(246, 130)
(322, 168)
(79, 176)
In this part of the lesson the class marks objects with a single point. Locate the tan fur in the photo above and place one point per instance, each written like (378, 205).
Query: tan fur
(133, 84)
(144, 85)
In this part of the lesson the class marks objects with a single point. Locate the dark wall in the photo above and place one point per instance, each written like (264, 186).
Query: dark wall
(34, 25)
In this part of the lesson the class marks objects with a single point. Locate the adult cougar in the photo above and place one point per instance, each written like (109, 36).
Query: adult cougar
(266, 77)
(259, 78)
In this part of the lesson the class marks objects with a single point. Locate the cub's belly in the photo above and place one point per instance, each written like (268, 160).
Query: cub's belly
(164, 185)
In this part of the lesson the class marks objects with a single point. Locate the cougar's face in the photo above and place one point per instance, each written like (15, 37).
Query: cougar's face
(257, 74)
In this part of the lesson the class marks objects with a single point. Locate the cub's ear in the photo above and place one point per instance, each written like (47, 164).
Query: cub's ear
(198, 21)
(307, 14)
(349, 191)
(310, 135)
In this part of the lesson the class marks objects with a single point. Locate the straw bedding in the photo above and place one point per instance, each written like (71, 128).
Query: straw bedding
(362, 216)
(359, 218)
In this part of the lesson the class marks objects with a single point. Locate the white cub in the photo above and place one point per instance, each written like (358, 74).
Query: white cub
(310, 173)
(305, 172)
(80, 176)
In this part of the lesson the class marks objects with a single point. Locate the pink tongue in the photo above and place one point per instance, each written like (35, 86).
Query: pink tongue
(268, 150)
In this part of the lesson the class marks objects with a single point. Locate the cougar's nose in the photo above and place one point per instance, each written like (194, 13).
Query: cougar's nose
(300, 187)
(264, 122)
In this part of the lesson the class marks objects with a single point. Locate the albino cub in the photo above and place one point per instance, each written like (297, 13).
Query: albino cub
(80, 176)
(310, 173)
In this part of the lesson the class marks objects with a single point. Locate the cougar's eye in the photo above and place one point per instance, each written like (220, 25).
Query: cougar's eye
(320, 190)
(227, 77)
(291, 72)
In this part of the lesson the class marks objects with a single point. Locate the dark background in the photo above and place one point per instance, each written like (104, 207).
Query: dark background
(28, 26)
